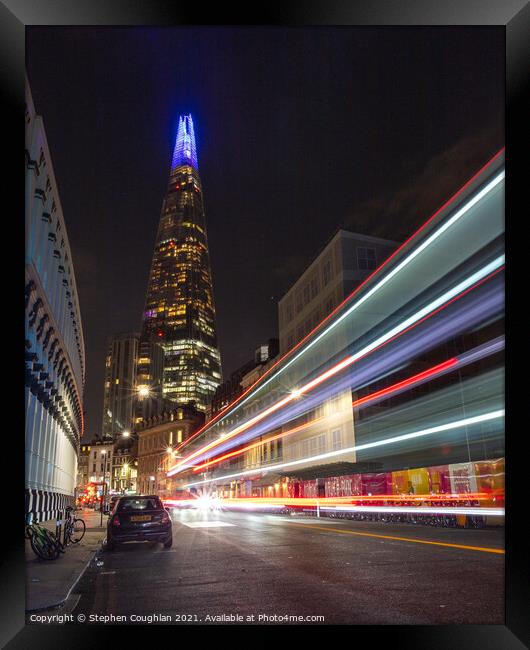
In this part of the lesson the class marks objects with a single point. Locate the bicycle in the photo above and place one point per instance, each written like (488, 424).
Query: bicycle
(74, 528)
(43, 542)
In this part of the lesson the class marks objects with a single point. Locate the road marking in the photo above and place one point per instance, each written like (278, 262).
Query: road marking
(409, 539)
(205, 524)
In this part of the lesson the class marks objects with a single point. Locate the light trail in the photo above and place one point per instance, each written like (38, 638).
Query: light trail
(485, 417)
(407, 383)
(440, 331)
(197, 468)
(420, 510)
(454, 363)
(239, 401)
(436, 371)
(457, 291)
(352, 500)
(450, 363)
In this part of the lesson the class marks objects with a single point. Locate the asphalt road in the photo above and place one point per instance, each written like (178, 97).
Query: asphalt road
(241, 564)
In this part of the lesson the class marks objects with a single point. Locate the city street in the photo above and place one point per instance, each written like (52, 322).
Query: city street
(228, 563)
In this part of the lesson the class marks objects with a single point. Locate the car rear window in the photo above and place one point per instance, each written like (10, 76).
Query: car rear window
(142, 503)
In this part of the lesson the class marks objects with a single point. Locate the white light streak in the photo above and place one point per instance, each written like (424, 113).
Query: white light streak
(425, 311)
(420, 510)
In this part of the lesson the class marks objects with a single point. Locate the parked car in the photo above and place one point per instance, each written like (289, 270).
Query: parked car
(139, 519)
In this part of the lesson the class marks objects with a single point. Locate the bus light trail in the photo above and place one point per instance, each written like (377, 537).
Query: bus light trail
(421, 504)
(448, 426)
(450, 363)
(461, 289)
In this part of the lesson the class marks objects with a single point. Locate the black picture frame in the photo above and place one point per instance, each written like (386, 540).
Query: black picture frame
(514, 15)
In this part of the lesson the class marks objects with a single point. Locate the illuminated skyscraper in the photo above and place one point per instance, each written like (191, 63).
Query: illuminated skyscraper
(179, 311)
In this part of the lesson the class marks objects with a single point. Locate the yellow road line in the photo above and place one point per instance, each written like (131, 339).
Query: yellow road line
(500, 551)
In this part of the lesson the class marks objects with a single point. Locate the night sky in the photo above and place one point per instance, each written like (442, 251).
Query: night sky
(299, 131)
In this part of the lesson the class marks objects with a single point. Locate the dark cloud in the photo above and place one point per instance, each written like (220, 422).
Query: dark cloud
(397, 212)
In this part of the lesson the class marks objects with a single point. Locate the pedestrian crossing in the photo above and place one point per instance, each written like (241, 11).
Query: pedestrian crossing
(206, 524)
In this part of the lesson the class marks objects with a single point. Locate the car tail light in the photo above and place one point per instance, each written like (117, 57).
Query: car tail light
(165, 518)
(116, 522)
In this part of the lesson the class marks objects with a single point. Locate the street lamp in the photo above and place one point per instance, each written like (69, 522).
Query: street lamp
(105, 486)
(126, 433)
(143, 391)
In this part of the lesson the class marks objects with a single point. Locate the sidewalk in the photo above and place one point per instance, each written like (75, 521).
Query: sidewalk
(48, 583)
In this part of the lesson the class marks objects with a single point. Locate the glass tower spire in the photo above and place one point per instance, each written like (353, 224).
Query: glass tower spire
(179, 311)
(185, 151)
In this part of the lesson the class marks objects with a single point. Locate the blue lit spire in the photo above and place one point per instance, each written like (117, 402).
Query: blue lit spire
(185, 152)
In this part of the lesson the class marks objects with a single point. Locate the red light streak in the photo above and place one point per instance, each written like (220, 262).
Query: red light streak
(407, 382)
(355, 291)
(349, 500)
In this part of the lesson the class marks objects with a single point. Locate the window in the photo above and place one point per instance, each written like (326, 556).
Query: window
(335, 404)
(366, 258)
(326, 272)
(299, 305)
(128, 505)
(314, 286)
(306, 294)
(336, 439)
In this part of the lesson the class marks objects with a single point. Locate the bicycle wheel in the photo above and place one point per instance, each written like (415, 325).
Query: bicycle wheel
(68, 532)
(78, 531)
(54, 543)
(44, 545)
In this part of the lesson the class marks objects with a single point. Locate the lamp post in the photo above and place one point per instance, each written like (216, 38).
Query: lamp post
(105, 487)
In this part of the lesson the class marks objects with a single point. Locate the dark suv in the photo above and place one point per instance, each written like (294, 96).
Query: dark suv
(139, 519)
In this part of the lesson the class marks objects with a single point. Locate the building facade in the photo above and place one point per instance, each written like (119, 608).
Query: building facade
(149, 377)
(346, 260)
(55, 353)
(179, 310)
(124, 469)
(82, 468)
(120, 384)
(157, 440)
(100, 460)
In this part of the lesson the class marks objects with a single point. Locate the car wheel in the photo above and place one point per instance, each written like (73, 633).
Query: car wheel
(110, 546)
(169, 543)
